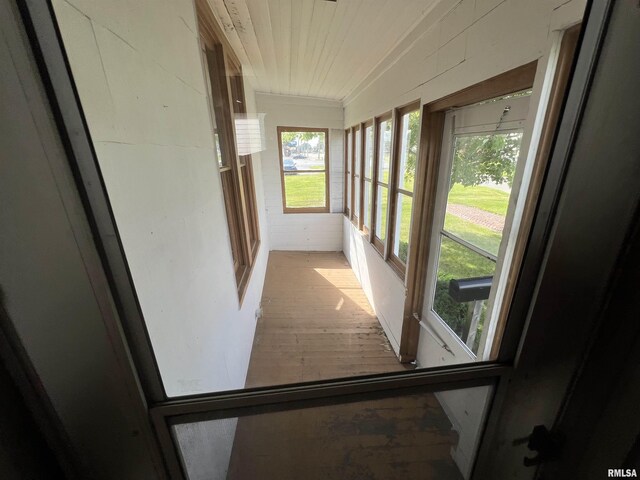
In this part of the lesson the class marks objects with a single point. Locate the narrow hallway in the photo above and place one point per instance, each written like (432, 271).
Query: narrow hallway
(316, 323)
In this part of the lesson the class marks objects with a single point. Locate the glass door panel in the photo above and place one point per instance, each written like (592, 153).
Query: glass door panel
(429, 436)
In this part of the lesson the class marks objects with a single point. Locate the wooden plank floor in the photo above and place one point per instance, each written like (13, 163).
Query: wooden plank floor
(317, 324)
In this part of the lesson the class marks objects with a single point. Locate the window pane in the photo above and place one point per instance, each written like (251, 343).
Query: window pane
(403, 227)
(349, 173)
(216, 141)
(349, 191)
(303, 150)
(368, 152)
(384, 151)
(251, 201)
(410, 128)
(356, 197)
(233, 221)
(367, 204)
(418, 436)
(305, 190)
(382, 202)
(455, 263)
(357, 153)
(481, 176)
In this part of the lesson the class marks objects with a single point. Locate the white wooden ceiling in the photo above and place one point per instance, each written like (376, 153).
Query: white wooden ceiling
(315, 48)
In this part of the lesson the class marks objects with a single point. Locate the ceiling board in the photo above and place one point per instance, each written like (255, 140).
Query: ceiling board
(315, 48)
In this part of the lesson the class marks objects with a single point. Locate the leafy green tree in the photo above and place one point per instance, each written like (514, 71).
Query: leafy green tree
(483, 158)
(412, 144)
(288, 137)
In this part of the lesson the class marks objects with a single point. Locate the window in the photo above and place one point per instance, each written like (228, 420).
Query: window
(304, 169)
(355, 196)
(347, 173)
(383, 165)
(236, 173)
(245, 165)
(479, 158)
(408, 130)
(367, 176)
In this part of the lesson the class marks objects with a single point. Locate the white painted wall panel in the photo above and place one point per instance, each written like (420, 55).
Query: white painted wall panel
(299, 231)
(384, 289)
(140, 77)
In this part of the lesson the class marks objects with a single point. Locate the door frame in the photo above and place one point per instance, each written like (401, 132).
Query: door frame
(54, 68)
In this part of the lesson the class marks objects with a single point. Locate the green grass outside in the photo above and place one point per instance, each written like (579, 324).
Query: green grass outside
(485, 198)
(305, 190)
(482, 237)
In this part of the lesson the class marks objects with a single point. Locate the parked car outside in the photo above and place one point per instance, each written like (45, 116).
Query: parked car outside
(289, 165)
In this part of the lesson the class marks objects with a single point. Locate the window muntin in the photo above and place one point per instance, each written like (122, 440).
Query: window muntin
(304, 161)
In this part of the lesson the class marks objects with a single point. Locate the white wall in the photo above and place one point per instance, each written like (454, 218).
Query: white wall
(55, 291)
(139, 73)
(300, 231)
(206, 447)
(458, 44)
(382, 286)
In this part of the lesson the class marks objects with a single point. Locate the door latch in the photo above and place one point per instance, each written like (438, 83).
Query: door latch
(548, 444)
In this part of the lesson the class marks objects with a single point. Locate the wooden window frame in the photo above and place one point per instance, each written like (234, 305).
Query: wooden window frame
(245, 162)
(346, 209)
(327, 180)
(222, 67)
(378, 244)
(396, 263)
(363, 179)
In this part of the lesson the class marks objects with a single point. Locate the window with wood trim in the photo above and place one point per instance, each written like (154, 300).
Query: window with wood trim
(356, 176)
(304, 169)
(405, 161)
(234, 160)
(383, 137)
(238, 102)
(367, 175)
(347, 173)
